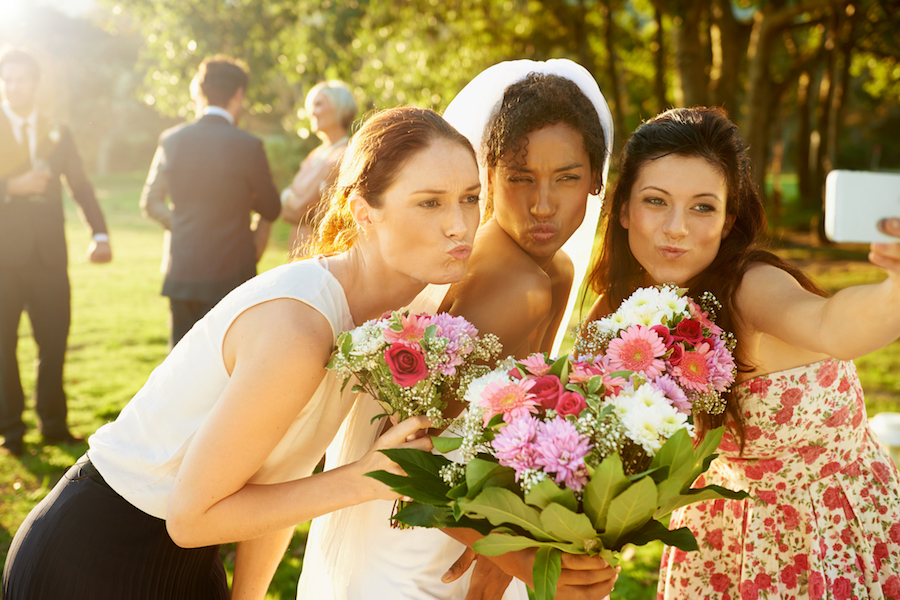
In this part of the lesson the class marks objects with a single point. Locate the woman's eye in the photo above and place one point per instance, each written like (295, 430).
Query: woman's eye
(428, 203)
(654, 201)
(705, 208)
(515, 179)
(471, 199)
(570, 178)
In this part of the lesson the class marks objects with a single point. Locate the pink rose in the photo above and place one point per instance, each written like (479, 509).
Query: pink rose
(547, 390)
(407, 365)
(842, 588)
(719, 582)
(816, 585)
(570, 403)
(891, 588)
(689, 331)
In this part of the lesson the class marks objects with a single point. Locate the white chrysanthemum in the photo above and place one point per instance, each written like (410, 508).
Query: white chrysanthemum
(672, 303)
(644, 427)
(623, 402)
(672, 421)
(650, 396)
(613, 323)
(473, 395)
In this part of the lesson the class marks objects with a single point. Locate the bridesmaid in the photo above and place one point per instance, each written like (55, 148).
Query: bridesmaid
(823, 516)
(220, 443)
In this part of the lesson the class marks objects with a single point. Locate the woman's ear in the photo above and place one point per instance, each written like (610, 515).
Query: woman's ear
(361, 211)
(623, 216)
(729, 221)
(596, 184)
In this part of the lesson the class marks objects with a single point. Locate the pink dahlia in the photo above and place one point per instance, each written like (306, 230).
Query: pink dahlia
(693, 371)
(514, 444)
(512, 400)
(561, 451)
(412, 330)
(637, 349)
(721, 366)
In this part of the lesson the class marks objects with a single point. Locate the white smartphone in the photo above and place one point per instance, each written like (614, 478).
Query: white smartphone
(855, 201)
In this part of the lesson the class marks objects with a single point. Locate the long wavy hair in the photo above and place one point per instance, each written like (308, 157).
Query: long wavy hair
(539, 100)
(377, 152)
(709, 134)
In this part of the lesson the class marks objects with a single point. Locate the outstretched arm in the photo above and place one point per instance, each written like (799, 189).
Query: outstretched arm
(855, 321)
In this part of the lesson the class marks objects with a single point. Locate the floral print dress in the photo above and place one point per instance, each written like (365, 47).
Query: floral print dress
(823, 516)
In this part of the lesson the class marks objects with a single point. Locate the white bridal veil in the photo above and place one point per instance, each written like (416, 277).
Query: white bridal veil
(479, 101)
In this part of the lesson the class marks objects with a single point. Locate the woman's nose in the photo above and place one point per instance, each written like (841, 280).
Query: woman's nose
(544, 205)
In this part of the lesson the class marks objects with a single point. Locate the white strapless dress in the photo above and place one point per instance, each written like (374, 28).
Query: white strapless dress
(354, 554)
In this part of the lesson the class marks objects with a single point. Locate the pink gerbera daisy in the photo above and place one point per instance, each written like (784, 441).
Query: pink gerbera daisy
(637, 349)
(512, 400)
(693, 370)
(536, 365)
(413, 330)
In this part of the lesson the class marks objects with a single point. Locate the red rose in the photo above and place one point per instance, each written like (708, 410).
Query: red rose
(827, 373)
(663, 332)
(810, 453)
(719, 582)
(570, 403)
(749, 590)
(547, 390)
(677, 354)
(895, 533)
(882, 472)
(714, 538)
(832, 498)
(689, 331)
(891, 588)
(879, 553)
(790, 516)
(789, 577)
(792, 397)
(816, 585)
(407, 365)
(838, 417)
(841, 588)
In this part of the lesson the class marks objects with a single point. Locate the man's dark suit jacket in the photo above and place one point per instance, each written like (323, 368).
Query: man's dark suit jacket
(30, 229)
(216, 175)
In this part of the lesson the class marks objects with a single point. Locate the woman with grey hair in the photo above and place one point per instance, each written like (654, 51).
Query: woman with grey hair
(331, 109)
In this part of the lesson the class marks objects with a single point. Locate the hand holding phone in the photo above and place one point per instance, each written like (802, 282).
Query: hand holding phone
(856, 201)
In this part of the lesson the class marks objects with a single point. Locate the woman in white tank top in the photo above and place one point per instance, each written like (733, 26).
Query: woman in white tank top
(220, 444)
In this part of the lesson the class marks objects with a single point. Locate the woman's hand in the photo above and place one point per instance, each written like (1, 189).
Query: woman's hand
(884, 255)
(583, 577)
(409, 433)
(488, 582)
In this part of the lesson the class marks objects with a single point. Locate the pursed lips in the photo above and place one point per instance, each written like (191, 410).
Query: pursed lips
(543, 232)
(671, 252)
(461, 251)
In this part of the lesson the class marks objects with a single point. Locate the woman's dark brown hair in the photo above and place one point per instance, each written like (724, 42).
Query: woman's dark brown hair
(369, 167)
(709, 134)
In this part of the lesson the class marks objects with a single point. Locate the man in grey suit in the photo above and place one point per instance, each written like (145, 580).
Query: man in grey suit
(35, 153)
(217, 176)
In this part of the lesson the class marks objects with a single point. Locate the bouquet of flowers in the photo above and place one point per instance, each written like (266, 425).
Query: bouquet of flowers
(581, 454)
(414, 364)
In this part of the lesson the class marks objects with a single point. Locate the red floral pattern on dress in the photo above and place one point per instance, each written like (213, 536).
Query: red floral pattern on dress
(823, 516)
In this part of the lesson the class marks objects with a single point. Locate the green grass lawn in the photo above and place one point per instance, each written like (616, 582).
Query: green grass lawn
(119, 334)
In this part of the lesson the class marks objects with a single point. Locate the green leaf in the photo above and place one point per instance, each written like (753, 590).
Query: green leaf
(547, 491)
(657, 474)
(446, 444)
(547, 569)
(710, 492)
(560, 368)
(420, 491)
(568, 525)
(502, 507)
(497, 543)
(430, 331)
(416, 514)
(480, 472)
(628, 512)
(706, 451)
(594, 384)
(346, 343)
(418, 463)
(607, 482)
(681, 538)
(676, 452)
(458, 491)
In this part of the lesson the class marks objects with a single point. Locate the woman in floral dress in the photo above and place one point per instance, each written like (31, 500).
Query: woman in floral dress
(823, 516)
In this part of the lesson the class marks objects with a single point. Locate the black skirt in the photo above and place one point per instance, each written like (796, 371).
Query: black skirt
(85, 542)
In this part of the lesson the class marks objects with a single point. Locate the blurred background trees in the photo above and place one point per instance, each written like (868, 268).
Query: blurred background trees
(814, 84)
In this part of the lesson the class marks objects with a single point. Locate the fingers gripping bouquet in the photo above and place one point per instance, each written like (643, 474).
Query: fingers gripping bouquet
(413, 364)
(583, 454)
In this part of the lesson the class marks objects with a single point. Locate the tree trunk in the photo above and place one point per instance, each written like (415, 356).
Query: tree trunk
(823, 110)
(842, 82)
(728, 43)
(618, 98)
(804, 174)
(659, 61)
(689, 54)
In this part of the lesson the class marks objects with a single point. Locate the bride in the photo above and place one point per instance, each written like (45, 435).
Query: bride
(543, 135)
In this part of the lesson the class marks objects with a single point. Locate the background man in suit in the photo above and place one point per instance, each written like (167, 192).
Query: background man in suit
(34, 152)
(216, 176)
